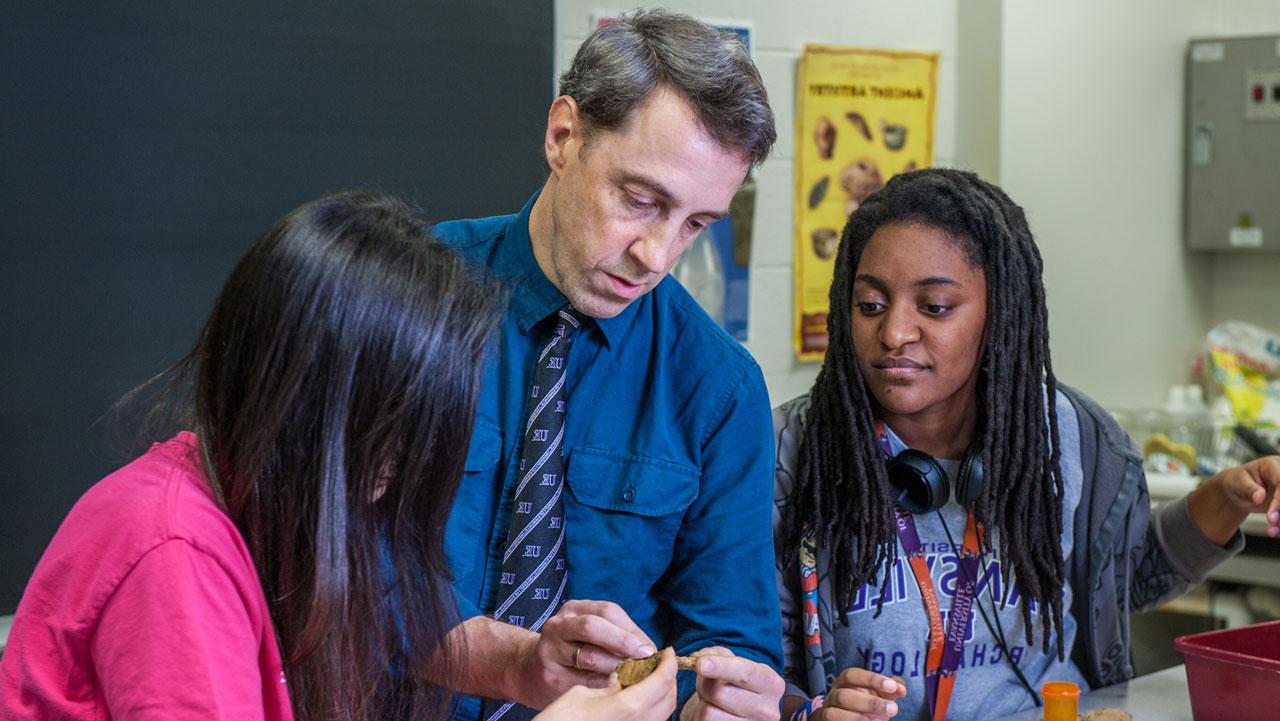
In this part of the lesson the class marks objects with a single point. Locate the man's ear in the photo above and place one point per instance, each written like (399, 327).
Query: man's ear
(564, 132)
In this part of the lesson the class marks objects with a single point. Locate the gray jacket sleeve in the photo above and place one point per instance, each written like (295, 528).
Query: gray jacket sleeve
(787, 427)
(1128, 556)
(1176, 555)
(1154, 554)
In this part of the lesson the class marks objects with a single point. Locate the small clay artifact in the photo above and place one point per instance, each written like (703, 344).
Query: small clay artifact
(818, 192)
(825, 242)
(859, 180)
(860, 123)
(634, 670)
(895, 136)
(824, 135)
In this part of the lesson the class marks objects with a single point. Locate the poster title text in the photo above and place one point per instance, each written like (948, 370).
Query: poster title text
(888, 92)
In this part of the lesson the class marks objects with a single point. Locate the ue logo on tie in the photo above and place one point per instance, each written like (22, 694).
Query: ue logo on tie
(559, 564)
(541, 594)
(533, 393)
(555, 363)
(548, 479)
(521, 464)
(540, 434)
(524, 507)
(555, 522)
(532, 551)
(559, 406)
(508, 579)
(515, 620)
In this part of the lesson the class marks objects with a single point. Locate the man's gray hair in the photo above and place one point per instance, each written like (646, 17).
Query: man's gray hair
(620, 64)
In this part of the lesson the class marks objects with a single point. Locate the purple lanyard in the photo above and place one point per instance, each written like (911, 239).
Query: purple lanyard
(945, 652)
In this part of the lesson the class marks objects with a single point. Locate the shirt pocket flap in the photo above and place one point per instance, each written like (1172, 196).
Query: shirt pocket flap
(486, 446)
(614, 481)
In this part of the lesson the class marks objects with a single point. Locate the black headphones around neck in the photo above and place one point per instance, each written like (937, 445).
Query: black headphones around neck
(923, 487)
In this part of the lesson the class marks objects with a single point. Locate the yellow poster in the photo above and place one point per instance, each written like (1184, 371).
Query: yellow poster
(862, 116)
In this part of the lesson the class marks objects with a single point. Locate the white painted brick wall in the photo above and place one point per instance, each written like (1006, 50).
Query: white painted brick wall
(1233, 289)
(779, 33)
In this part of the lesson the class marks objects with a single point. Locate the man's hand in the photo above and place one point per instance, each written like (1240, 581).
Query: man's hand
(581, 645)
(1220, 504)
(653, 699)
(860, 695)
(733, 688)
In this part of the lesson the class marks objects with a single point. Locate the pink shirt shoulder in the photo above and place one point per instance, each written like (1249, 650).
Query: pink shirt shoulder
(146, 605)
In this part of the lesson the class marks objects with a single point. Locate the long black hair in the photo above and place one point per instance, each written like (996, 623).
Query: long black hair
(842, 491)
(332, 392)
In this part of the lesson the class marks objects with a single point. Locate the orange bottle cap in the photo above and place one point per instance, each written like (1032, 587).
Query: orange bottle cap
(1060, 689)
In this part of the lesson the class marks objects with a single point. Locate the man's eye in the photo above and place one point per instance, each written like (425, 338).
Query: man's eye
(638, 203)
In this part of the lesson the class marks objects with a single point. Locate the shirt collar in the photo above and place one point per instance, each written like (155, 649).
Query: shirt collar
(533, 296)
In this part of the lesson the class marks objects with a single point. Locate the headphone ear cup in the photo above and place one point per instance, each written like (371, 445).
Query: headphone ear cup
(971, 480)
(920, 483)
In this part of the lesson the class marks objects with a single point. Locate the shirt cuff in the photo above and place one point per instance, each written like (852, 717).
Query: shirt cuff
(466, 609)
(794, 690)
(1188, 549)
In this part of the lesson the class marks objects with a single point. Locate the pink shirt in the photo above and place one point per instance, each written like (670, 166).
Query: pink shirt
(146, 605)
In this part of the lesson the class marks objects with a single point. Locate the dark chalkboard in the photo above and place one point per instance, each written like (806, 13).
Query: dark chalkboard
(144, 145)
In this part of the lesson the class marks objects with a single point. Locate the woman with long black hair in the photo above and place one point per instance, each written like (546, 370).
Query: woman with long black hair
(937, 466)
(269, 562)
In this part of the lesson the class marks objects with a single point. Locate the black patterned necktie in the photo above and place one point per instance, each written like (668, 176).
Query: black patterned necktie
(533, 579)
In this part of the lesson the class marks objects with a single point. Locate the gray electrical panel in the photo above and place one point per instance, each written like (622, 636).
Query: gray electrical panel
(1233, 145)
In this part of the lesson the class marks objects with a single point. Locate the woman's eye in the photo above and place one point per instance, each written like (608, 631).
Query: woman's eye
(935, 309)
(869, 307)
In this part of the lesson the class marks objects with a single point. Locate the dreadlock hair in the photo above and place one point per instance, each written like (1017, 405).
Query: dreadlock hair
(842, 490)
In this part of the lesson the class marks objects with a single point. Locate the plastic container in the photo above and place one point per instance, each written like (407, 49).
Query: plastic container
(1234, 675)
(700, 272)
(1061, 699)
(1188, 418)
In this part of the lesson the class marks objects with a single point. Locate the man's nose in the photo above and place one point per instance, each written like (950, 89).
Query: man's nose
(653, 250)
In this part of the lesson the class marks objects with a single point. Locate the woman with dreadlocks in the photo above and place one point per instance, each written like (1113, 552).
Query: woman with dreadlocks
(939, 343)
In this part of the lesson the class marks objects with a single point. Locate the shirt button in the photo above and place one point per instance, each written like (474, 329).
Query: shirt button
(629, 495)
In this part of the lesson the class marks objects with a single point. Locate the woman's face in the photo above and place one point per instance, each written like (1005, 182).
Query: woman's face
(919, 309)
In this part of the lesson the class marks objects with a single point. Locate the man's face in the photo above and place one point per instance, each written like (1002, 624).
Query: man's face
(625, 204)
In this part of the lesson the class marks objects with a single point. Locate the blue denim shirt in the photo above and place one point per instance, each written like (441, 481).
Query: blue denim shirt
(669, 461)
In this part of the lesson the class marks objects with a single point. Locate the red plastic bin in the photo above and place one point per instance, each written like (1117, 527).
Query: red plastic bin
(1234, 675)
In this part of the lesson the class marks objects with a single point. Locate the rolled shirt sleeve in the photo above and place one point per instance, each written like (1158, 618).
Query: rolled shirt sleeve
(720, 586)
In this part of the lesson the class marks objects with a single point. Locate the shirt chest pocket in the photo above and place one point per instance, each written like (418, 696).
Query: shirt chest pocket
(467, 533)
(486, 447)
(622, 516)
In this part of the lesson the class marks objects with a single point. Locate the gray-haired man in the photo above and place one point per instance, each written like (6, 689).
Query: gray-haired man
(624, 447)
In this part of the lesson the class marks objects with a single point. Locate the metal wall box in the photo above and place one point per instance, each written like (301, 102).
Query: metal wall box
(1232, 145)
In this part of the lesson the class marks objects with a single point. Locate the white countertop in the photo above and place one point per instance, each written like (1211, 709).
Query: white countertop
(1161, 696)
